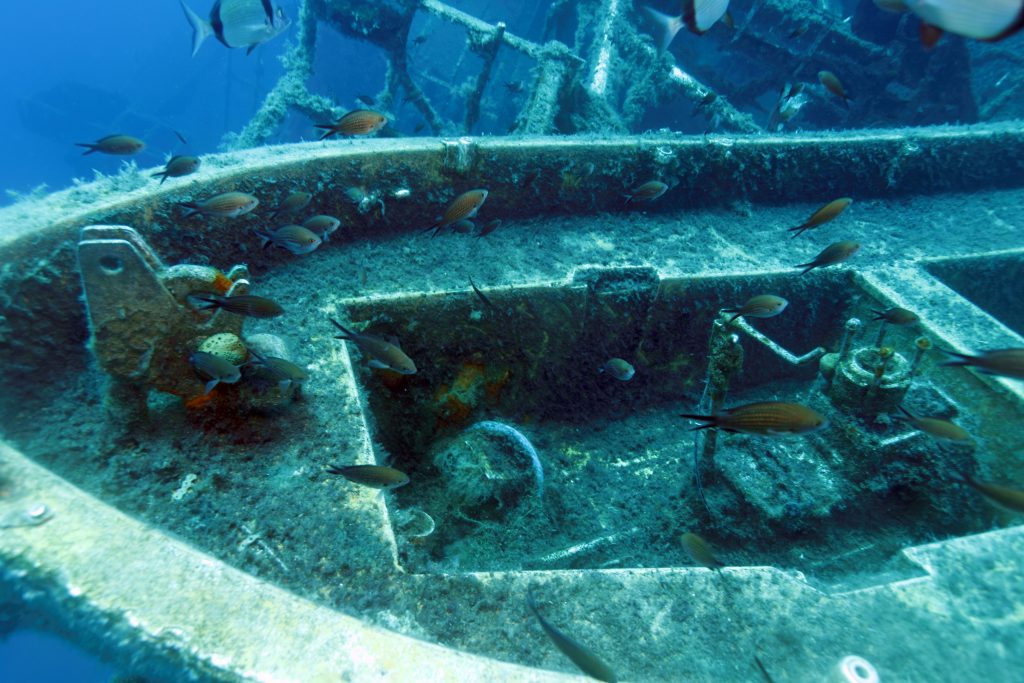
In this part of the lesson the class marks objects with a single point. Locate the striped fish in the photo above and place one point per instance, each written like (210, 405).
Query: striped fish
(227, 205)
(114, 144)
(293, 203)
(324, 226)
(356, 122)
(767, 418)
(373, 476)
(760, 306)
(294, 238)
(1004, 362)
(237, 23)
(465, 206)
(242, 304)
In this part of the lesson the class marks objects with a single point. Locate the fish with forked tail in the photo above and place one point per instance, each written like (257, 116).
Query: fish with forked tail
(588, 662)
(768, 418)
(386, 355)
(237, 23)
(698, 17)
(830, 255)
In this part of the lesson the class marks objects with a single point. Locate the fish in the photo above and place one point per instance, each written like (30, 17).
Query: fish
(700, 551)
(764, 672)
(122, 145)
(213, 370)
(383, 354)
(896, 316)
(373, 476)
(419, 40)
(419, 127)
(483, 297)
(798, 31)
(823, 215)
(227, 205)
(293, 203)
(987, 20)
(514, 86)
(356, 122)
(237, 23)
(767, 418)
(463, 227)
(647, 192)
(465, 206)
(834, 85)
(367, 100)
(760, 306)
(791, 101)
(619, 369)
(323, 226)
(588, 662)
(176, 167)
(698, 16)
(279, 371)
(705, 102)
(242, 304)
(489, 227)
(830, 255)
(294, 238)
(1003, 362)
(1005, 497)
(943, 430)
(728, 21)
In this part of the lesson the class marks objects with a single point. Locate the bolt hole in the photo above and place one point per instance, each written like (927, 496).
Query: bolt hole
(111, 265)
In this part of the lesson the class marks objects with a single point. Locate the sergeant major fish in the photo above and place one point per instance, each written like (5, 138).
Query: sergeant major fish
(382, 354)
(237, 23)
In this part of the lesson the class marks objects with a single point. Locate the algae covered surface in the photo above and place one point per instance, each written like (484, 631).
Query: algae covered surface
(564, 293)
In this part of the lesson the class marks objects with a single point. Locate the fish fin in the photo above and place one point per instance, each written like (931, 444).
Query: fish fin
(251, 48)
(733, 319)
(265, 239)
(878, 314)
(327, 128)
(269, 9)
(348, 334)
(201, 29)
(335, 469)
(392, 339)
(210, 385)
(374, 363)
(798, 230)
(669, 26)
(91, 148)
(284, 384)
(807, 267)
(955, 358)
(193, 209)
(930, 35)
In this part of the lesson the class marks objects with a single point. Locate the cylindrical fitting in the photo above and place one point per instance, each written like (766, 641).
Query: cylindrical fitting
(853, 669)
(851, 329)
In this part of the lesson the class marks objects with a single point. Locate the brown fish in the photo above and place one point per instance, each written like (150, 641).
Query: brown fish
(830, 255)
(373, 476)
(588, 662)
(382, 354)
(760, 306)
(833, 85)
(276, 370)
(489, 227)
(823, 215)
(227, 205)
(766, 418)
(1007, 498)
(123, 145)
(700, 551)
(243, 304)
(293, 203)
(937, 428)
(647, 192)
(896, 316)
(356, 122)
(1004, 362)
(463, 227)
(465, 206)
(176, 167)
(323, 226)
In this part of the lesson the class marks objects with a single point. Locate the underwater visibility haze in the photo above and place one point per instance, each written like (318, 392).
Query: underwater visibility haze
(433, 340)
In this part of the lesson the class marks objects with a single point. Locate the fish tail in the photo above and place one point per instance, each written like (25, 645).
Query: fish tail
(878, 314)
(210, 301)
(265, 239)
(710, 419)
(162, 175)
(807, 267)
(193, 209)
(328, 130)
(798, 230)
(90, 148)
(737, 315)
(669, 26)
(201, 29)
(348, 334)
(956, 358)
